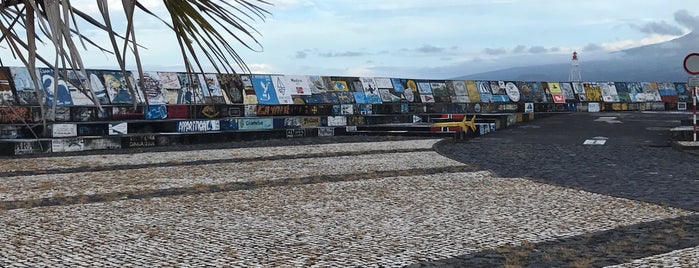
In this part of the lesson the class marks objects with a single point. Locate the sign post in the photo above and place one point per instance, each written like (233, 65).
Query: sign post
(691, 66)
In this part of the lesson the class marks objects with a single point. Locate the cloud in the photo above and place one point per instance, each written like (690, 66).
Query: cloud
(494, 51)
(592, 47)
(537, 50)
(519, 49)
(430, 49)
(662, 28)
(555, 49)
(346, 54)
(301, 55)
(687, 20)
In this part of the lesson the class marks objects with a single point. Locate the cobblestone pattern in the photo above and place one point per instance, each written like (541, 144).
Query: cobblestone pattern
(388, 222)
(134, 180)
(92, 161)
(688, 257)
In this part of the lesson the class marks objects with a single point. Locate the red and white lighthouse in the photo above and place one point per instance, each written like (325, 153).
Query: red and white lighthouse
(575, 75)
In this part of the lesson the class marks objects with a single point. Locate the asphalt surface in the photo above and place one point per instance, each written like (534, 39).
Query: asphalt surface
(635, 161)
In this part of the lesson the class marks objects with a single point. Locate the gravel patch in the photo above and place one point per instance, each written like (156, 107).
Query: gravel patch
(688, 257)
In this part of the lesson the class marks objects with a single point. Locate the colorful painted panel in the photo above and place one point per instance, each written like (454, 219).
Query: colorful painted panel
(249, 94)
(255, 123)
(345, 97)
(232, 86)
(6, 96)
(211, 89)
(51, 84)
(150, 83)
(15, 114)
(668, 93)
(319, 84)
(484, 91)
(97, 86)
(568, 92)
(579, 90)
(458, 87)
(651, 90)
(440, 92)
(77, 83)
(473, 93)
(282, 89)
(556, 92)
(170, 82)
(300, 85)
(684, 94)
(117, 89)
(198, 126)
(622, 91)
(24, 87)
(371, 90)
(593, 92)
(609, 93)
(512, 91)
(154, 112)
(264, 89)
(407, 87)
(191, 92)
(497, 89)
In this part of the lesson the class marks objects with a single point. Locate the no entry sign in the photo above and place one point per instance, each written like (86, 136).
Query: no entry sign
(691, 63)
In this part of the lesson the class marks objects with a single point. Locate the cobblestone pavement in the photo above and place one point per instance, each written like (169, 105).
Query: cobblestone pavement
(373, 204)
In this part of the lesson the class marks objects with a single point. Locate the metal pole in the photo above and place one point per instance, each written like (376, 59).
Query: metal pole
(694, 101)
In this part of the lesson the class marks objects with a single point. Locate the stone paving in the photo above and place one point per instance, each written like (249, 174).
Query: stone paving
(679, 258)
(375, 221)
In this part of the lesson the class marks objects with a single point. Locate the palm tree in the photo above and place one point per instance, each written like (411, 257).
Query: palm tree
(202, 29)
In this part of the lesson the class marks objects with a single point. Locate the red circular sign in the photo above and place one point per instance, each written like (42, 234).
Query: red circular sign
(691, 63)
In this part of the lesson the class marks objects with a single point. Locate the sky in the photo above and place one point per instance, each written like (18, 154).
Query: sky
(420, 38)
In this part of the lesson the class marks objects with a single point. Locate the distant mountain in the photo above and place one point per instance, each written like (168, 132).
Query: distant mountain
(657, 62)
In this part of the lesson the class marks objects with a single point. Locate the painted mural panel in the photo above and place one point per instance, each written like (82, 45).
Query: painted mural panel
(622, 91)
(568, 92)
(319, 84)
(609, 92)
(684, 93)
(499, 94)
(198, 126)
(460, 91)
(593, 92)
(283, 89)
(249, 94)
(255, 123)
(77, 82)
(190, 92)
(556, 92)
(24, 87)
(211, 89)
(371, 90)
(484, 91)
(232, 86)
(579, 90)
(440, 92)
(651, 90)
(170, 82)
(473, 93)
(153, 88)
(512, 91)
(264, 89)
(50, 84)
(97, 86)
(407, 87)
(299, 84)
(117, 89)
(667, 91)
(6, 96)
